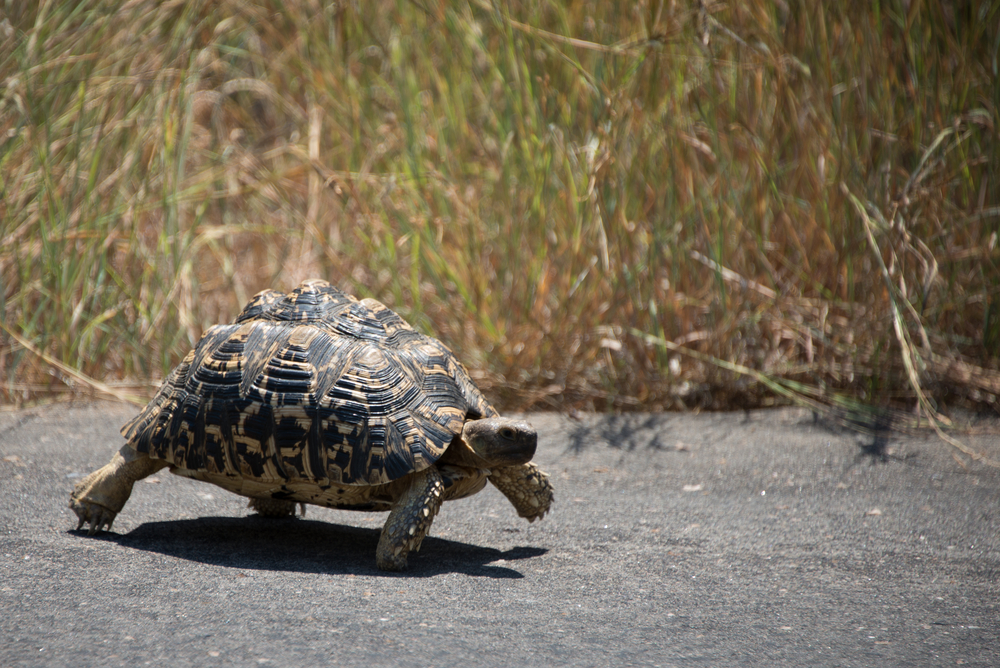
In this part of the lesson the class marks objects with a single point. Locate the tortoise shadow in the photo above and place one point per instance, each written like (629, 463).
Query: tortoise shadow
(308, 546)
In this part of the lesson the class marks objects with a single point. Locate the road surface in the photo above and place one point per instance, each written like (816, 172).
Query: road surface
(676, 540)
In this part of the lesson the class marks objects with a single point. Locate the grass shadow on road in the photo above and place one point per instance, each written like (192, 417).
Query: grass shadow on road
(308, 546)
(627, 432)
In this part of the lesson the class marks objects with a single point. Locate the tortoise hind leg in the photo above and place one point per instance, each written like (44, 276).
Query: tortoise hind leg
(409, 520)
(99, 497)
(278, 508)
(526, 487)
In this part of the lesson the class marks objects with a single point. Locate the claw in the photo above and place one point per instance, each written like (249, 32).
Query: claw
(95, 517)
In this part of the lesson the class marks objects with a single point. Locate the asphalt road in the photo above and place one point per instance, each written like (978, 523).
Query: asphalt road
(675, 540)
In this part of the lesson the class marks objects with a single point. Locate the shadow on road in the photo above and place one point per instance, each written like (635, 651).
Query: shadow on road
(629, 432)
(871, 429)
(307, 546)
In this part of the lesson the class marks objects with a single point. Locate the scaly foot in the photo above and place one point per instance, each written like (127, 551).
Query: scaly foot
(268, 507)
(526, 487)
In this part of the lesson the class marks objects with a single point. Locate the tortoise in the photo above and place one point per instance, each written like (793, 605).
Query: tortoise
(315, 397)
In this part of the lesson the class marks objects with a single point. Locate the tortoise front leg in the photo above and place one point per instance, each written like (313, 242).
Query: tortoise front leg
(526, 487)
(409, 520)
(102, 494)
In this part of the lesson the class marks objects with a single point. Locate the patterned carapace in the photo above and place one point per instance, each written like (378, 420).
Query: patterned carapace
(310, 386)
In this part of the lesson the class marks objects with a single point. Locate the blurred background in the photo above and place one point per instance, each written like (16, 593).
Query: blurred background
(598, 205)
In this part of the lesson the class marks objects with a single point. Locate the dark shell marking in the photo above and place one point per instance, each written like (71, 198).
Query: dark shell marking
(310, 387)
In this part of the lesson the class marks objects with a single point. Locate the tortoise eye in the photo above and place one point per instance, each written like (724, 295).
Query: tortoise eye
(507, 433)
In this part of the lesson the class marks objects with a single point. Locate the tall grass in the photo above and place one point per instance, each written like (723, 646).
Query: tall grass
(597, 205)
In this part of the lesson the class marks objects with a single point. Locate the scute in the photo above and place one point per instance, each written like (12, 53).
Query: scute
(310, 386)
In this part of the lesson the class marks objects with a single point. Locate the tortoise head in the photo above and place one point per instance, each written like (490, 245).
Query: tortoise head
(493, 443)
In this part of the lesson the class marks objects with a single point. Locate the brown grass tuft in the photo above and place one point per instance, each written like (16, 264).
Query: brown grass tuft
(553, 189)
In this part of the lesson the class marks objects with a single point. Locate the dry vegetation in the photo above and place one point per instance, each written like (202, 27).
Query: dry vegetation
(599, 205)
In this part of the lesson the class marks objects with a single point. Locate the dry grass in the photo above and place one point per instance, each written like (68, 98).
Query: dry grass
(598, 205)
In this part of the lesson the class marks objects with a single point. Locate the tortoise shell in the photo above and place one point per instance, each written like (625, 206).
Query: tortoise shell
(311, 386)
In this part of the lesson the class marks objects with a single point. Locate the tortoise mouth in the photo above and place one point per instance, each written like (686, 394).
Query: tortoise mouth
(512, 456)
